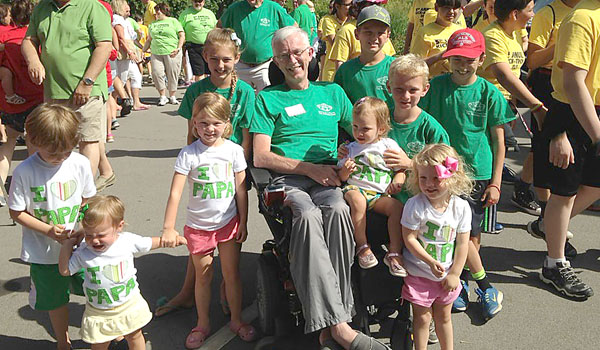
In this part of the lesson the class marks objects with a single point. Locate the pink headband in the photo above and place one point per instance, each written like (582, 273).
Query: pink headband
(447, 169)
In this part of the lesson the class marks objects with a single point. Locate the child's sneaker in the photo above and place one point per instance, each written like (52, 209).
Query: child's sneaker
(490, 300)
(462, 301)
(433, 338)
(525, 200)
(114, 124)
(110, 138)
(566, 281)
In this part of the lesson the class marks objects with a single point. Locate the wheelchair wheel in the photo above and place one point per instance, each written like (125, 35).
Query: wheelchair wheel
(269, 293)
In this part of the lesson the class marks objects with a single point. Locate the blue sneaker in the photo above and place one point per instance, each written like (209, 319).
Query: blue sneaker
(491, 301)
(462, 301)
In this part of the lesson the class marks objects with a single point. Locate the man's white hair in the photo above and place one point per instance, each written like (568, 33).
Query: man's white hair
(285, 32)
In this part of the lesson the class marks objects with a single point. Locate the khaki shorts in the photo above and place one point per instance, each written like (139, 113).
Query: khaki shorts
(92, 115)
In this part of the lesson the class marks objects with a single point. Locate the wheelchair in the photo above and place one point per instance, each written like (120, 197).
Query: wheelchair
(280, 310)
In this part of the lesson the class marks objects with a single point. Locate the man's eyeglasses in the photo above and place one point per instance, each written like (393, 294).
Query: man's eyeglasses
(288, 55)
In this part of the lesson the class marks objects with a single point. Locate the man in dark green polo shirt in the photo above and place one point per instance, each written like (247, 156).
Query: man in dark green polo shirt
(75, 40)
(255, 21)
(295, 130)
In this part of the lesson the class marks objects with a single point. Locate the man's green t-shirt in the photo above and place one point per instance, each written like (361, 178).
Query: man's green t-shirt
(242, 104)
(359, 80)
(304, 18)
(467, 113)
(303, 124)
(197, 24)
(165, 35)
(413, 137)
(255, 27)
(67, 37)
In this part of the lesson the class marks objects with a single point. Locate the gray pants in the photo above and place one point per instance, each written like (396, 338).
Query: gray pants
(321, 251)
(165, 66)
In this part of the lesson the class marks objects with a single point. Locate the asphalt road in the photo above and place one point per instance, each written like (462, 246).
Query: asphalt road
(143, 155)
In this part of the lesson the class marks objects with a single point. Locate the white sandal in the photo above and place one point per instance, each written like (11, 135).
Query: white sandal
(15, 99)
(368, 261)
(395, 269)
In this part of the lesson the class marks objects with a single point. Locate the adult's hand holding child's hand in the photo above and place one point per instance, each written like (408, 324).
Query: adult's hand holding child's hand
(396, 159)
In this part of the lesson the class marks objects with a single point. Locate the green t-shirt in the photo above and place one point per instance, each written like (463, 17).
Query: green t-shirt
(69, 35)
(304, 18)
(134, 24)
(165, 35)
(467, 113)
(359, 80)
(255, 27)
(242, 104)
(197, 24)
(303, 124)
(413, 137)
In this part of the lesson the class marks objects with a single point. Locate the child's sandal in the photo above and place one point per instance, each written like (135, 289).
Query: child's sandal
(196, 337)
(245, 331)
(15, 99)
(395, 268)
(366, 261)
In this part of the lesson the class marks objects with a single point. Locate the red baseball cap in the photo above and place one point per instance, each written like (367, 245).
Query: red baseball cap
(465, 42)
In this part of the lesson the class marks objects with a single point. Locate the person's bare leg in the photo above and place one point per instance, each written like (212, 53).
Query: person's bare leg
(59, 318)
(137, 104)
(229, 253)
(204, 272)
(119, 88)
(6, 77)
(104, 166)
(185, 296)
(473, 258)
(527, 172)
(556, 223)
(421, 319)
(586, 195)
(443, 325)
(3, 136)
(128, 89)
(6, 152)
(92, 151)
(100, 346)
(136, 340)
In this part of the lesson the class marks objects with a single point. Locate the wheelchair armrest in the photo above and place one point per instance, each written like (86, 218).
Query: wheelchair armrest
(261, 177)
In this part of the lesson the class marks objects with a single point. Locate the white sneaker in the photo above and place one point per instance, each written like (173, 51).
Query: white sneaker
(163, 100)
(173, 100)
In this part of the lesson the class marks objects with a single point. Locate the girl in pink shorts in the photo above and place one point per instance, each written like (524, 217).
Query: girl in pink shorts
(436, 224)
(217, 211)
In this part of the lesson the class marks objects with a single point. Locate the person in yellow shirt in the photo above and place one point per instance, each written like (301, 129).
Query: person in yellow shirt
(572, 125)
(328, 27)
(502, 67)
(544, 30)
(432, 39)
(346, 46)
(150, 12)
(489, 17)
(423, 12)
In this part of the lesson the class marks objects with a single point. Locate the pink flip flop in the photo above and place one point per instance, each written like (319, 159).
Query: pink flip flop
(245, 331)
(196, 338)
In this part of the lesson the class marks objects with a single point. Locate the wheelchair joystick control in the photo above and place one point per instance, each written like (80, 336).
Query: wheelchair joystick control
(274, 195)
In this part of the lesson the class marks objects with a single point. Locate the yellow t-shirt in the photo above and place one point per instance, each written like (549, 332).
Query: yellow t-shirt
(346, 46)
(544, 27)
(142, 40)
(329, 24)
(578, 44)
(500, 47)
(431, 16)
(149, 13)
(485, 22)
(430, 40)
(417, 14)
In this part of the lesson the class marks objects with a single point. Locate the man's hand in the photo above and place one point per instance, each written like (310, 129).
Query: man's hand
(174, 53)
(325, 175)
(82, 93)
(561, 152)
(37, 72)
(396, 159)
(342, 150)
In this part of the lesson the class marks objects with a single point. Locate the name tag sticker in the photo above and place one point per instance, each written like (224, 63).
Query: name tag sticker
(295, 110)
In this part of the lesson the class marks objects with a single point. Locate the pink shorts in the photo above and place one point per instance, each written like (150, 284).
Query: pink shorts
(424, 292)
(200, 242)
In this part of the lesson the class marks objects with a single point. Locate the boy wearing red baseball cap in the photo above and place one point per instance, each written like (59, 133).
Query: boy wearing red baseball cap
(472, 110)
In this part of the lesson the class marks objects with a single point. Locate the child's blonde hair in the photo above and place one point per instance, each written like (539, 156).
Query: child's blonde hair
(409, 65)
(216, 106)
(225, 37)
(458, 184)
(53, 127)
(101, 207)
(375, 107)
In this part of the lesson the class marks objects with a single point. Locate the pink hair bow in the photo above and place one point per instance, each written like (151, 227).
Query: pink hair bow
(447, 169)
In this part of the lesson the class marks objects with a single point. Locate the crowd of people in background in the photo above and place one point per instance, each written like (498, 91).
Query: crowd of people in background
(430, 128)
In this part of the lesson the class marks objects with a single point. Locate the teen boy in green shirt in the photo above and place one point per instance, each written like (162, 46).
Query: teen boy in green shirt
(366, 75)
(473, 111)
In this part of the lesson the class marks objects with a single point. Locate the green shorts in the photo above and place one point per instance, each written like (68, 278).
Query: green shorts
(49, 289)
(370, 196)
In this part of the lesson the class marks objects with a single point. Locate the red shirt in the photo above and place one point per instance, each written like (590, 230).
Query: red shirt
(12, 37)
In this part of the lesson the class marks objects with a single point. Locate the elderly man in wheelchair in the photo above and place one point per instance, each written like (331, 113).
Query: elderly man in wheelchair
(295, 129)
